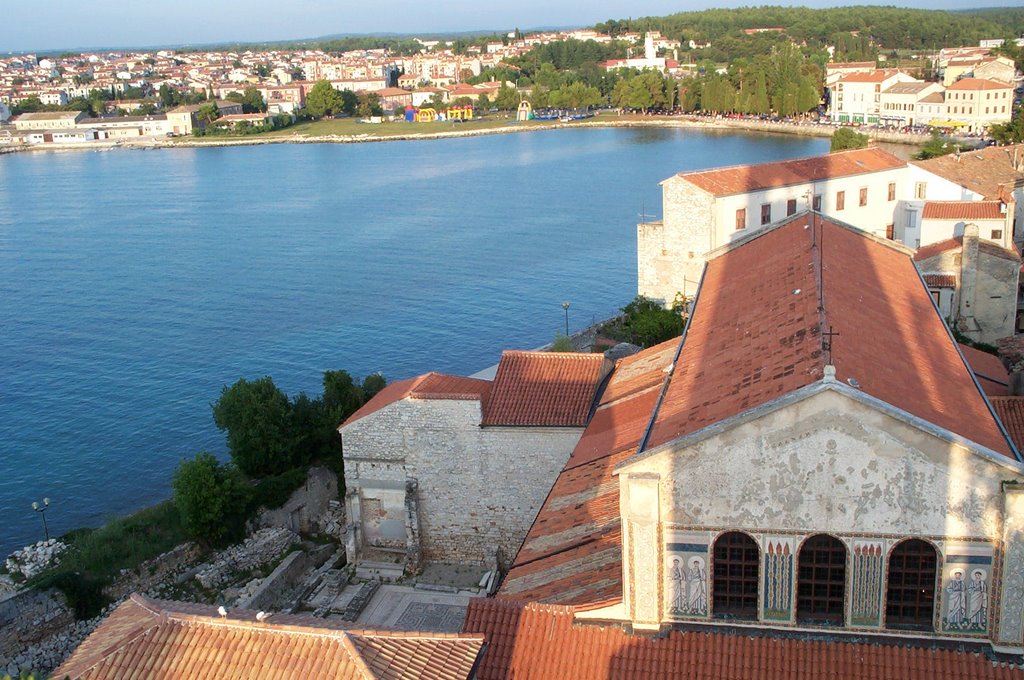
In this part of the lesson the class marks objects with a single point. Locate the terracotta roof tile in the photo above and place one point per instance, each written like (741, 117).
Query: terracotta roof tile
(940, 280)
(933, 249)
(1011, 412)
(552, 389)
(540, 641)
(746, 178)
(991, 374)
(963, 210)
(428, 386)
(875, 76)
(755, 333)
(978, 84)
(156, 638)
(573, 551)
(987, 171)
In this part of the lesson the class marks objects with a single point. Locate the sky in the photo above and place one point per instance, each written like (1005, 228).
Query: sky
(63, 24)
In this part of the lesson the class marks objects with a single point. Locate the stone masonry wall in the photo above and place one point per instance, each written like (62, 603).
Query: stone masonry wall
(478, 488)
(29, 616)
(670, 253)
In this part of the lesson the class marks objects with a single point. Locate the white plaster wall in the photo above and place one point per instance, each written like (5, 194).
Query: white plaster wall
(479, 489)
(935, 230)
(873, 217)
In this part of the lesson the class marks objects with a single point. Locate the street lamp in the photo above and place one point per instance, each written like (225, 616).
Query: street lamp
(565, 306)
(41, 509)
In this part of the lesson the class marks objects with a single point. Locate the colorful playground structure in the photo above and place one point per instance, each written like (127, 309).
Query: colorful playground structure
(429, 114)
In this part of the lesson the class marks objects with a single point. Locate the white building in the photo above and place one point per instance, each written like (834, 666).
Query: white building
(707, 209)
(857, 97)
(899, 104)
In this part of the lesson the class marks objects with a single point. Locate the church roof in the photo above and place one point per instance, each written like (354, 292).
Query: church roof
(543, 641)
(742, 179)
(538, 389)
(159, 638)
(757, 333)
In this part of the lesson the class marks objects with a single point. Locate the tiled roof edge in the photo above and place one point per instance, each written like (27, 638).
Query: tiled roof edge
(671, 369)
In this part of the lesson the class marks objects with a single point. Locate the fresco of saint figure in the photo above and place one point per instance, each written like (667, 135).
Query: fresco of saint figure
(956, 612)
(697, 582)
(977, 600)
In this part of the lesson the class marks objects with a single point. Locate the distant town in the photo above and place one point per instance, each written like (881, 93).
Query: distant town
(115, 97)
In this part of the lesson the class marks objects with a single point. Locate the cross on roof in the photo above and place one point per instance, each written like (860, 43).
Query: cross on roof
(826, 343)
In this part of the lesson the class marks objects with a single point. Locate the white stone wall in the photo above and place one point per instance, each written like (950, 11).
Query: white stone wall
(479, 489)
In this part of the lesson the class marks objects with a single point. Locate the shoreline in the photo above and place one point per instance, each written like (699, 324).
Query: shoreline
(680, 122)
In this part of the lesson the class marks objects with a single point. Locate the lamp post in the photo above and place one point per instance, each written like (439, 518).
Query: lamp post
(565, 306)
(41, 509)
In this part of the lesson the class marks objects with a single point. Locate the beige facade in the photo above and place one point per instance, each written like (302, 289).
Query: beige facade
(48, 120)
(857, 97)
(974, 104)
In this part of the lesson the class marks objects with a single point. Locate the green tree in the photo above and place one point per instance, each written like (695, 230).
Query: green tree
(211, 499)
(576, 95)
(644, 322)
(369, 104)
(323, 100)
(208, 113)
(846, 138)
(252, 101)
(256, 416)
(1009, 133)
(507, 98)
(349, 101)
(937, 146)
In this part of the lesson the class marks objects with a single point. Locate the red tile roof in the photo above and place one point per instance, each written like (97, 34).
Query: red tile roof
(876, 76)
(543, 389)
(963, 210)
(745, 178)
(978, 84)
(573, 552)
(538, 642)
(984, 245)
(163, 639)
(1011, 413)
(988, 172)
(755, 333)
(933, 249)
(428, 386)
(940, 280)
(991, 374)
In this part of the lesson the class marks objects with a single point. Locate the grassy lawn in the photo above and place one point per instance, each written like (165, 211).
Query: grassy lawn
(96, 556)
(351, 127)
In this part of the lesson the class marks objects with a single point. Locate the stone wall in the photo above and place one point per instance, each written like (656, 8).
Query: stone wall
(28, 616)
(478, 489)
(670, 253)
(307, 510)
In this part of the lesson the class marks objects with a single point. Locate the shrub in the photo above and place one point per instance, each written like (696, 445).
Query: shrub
(212, 499)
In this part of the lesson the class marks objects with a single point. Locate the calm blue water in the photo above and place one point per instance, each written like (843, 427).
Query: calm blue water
(135, 284)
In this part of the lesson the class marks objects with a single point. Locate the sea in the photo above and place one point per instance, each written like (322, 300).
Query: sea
(136, 284)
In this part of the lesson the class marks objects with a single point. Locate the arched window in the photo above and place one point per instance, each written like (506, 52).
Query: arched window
(737, 562)
(910, 597)
(821, 581)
